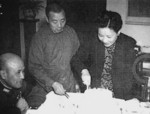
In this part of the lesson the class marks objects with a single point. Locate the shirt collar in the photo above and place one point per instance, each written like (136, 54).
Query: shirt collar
(5, 86)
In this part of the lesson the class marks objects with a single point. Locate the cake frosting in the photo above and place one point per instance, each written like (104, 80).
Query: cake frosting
(93, 101)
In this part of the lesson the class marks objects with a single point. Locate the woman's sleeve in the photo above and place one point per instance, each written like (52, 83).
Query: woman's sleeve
(131, 53)
(82, 55)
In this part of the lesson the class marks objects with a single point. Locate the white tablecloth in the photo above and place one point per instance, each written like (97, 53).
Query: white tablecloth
(93, 103)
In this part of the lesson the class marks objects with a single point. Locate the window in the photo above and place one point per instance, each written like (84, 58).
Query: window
(138, 12)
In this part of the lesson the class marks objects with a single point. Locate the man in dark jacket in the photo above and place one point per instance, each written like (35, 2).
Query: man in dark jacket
(11, 79)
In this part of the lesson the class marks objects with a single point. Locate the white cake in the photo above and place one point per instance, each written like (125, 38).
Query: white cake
(93, 101)
(98, 101)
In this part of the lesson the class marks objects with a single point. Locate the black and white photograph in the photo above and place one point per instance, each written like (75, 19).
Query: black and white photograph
(74, 56)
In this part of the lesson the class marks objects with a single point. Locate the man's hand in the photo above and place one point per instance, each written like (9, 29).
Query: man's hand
(58, 88)
(86, 78)
(22, 104)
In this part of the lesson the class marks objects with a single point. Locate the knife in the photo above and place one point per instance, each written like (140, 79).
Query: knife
(66, 94)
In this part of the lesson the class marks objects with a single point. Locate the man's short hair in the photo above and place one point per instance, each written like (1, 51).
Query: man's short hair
(53, 7)
(2, 63)
(5, 58)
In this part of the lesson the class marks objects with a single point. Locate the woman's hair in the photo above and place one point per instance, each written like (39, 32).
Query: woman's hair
(111, 20)
(53, 7)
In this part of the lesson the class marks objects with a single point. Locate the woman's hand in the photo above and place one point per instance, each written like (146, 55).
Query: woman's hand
(86, 77)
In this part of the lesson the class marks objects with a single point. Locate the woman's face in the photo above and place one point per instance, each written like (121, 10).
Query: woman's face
(107, 36)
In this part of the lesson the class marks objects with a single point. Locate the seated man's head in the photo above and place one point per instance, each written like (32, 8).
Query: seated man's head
(56, 17)
(11, 70)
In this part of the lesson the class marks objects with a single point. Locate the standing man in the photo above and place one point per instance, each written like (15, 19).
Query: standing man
(51, 50)
(11, 78)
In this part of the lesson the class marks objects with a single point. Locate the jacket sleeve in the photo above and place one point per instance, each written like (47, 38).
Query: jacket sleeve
(76, 42)
(35, 63)
(129, 60)
(81, 57)
(130, 52)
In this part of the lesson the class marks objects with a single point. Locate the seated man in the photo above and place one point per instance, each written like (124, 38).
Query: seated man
(11, 80)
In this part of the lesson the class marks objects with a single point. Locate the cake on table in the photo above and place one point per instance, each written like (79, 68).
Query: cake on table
(92, 101)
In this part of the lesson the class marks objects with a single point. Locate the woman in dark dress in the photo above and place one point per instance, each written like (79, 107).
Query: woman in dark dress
(105, 60)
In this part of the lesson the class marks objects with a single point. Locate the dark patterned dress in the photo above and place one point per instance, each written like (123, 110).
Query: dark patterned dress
(106, 80)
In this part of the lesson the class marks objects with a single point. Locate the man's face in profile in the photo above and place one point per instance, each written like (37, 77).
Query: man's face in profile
(57, 21)
(15, 74)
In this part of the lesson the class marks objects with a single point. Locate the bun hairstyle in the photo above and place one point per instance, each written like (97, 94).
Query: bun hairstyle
(111, 20)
